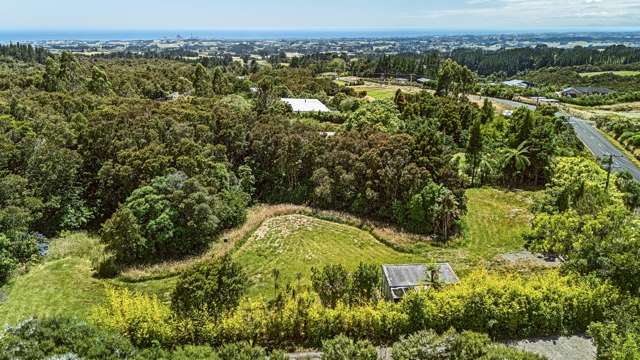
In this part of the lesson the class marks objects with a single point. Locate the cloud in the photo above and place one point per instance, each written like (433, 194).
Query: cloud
(542, 13)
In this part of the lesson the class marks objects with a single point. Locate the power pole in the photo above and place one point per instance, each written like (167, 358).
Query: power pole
(609, 163)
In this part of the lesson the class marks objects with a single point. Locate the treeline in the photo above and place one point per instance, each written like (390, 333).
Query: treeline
(502, 63)
(24, 52)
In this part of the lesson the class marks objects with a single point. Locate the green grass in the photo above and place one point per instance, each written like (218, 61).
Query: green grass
(64, 283)
(385, 92)
(617, 73)
(57, 287)
(294, 244)
(495, 221)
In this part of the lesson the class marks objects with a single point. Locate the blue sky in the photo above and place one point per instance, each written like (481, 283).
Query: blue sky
(301, 14)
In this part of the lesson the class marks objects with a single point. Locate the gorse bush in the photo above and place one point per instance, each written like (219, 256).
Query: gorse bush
(143, 319)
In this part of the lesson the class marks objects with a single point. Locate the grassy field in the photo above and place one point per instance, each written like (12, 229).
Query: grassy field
(384, 92)
(285, 237)
(617, 73)
(64, 283)
(294, 244)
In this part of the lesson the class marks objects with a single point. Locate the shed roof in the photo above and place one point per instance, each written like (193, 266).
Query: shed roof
(416, 274)
(306, 105)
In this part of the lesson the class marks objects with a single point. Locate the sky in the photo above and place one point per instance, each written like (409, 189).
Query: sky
(317, 14)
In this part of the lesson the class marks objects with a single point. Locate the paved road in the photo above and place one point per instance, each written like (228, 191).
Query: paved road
(601, 147)
(596, 142)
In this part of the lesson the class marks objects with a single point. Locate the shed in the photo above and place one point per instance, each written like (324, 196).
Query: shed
(306, 105)
(399, 279)
(584, 91)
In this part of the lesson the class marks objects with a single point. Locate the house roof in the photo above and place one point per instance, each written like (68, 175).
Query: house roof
(399, 276)
(306, 105)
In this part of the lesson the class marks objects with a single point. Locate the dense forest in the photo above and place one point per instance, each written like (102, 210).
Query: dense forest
(502, 63)
(160, 156)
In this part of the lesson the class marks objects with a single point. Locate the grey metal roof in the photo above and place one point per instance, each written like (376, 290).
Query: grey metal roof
(416, 274)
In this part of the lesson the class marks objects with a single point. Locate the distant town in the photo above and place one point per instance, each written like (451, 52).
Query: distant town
(259, 49)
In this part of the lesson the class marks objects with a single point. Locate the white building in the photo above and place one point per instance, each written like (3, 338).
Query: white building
(518, 83)
(306, 105)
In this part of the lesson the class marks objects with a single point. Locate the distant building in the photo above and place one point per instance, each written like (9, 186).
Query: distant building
(399, 279)
(523, 84)
(507, 113)
(575, 92)
(423, 81)
(306, 105)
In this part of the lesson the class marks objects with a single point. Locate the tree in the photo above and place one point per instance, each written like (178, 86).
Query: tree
(331, 284)
(202, 81)
(219, 82)
(515, 161)
(365, 283)
(454, 79)
(51, 80)
(434, 210)
(213, 287)
(173, 216)
(631, 189)
(487, 112)
(379, 115)
(69, 74)
(99, 83)
(474, 148)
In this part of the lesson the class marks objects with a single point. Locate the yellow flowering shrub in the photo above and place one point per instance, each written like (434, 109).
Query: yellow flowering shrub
(144, 319)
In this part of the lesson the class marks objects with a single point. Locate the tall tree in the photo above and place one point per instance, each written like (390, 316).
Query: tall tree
(202, 81)
(474, 148)
(454, 79)
(487, 113)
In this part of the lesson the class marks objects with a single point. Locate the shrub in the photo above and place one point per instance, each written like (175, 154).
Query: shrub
(48, 337)
(428, 345)
(501, 352)
(180, 353)
(343, 348)
(505, 307)
(331, 284)
(213, 287)
(174, 216)
(143, 319)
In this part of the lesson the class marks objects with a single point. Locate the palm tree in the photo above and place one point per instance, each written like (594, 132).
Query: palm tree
(486, 167)
(516, 160)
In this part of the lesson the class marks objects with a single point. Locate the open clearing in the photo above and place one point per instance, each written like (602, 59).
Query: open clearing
(294, 244)
(279, 236)
(384, 92)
